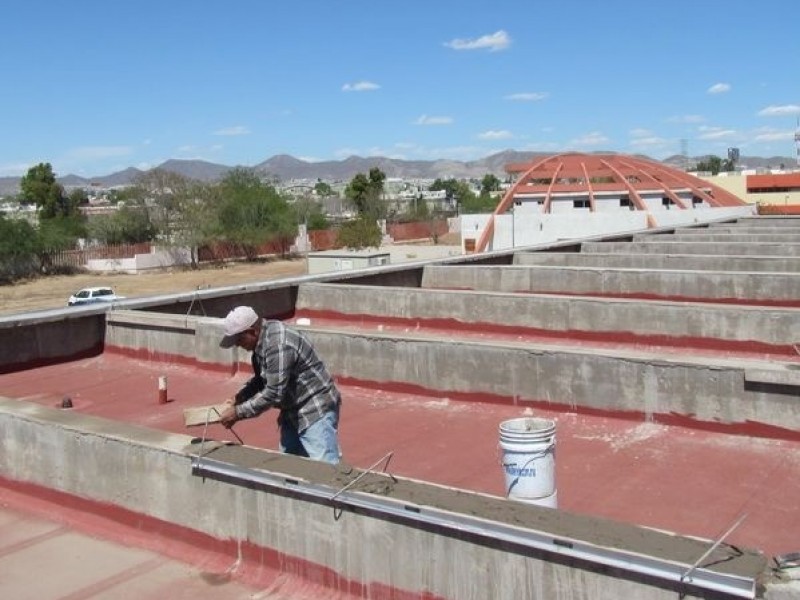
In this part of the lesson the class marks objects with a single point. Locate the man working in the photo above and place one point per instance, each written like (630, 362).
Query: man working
(288, 375)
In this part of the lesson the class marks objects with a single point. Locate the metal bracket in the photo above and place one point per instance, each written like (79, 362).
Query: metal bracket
(199, 457)
(337, 510)
(790, 560)
(713, 547)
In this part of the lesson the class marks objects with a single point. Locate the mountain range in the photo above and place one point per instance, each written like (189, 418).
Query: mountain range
(286, 168)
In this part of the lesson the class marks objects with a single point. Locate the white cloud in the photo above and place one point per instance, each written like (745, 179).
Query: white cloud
(498, 40)
(719, 88)
(715, 133)
(640, 132)
(500, 134)
(772, 135)
(235, 130)
(649, 142)
(590, 139)
(686, 119)
(527, 96)
(780, 111)
(426, 120)
(360, 86)
(456, 152)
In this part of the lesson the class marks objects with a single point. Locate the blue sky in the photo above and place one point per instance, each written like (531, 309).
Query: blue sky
(97, 86)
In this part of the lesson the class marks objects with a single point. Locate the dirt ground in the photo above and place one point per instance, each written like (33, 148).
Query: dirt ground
(53, 291)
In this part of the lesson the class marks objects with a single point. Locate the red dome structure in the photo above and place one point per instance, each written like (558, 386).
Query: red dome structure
(605, 182)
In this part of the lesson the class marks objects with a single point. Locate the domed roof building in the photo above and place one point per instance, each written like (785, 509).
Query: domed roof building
(603, 183)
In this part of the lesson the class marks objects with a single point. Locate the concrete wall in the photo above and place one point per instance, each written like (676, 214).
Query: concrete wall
(158, 258)
(687, 323)
(689, 247)
(45, 340)
(733, 393)
(695, 262)
(640, 384)
(118, 466)
(523, 227)
(777, 288)
(775, 235)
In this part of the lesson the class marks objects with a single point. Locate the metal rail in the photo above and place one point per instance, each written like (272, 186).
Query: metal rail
(658, 568)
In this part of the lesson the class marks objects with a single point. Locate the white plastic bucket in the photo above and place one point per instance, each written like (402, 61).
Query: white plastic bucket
(529, 459)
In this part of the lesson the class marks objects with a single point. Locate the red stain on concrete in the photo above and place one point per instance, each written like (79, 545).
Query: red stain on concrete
(257, 566)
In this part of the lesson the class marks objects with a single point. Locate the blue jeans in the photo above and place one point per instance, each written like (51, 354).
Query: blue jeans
(320, 441)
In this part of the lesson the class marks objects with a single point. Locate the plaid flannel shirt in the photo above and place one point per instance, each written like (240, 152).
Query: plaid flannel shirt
(289, 375)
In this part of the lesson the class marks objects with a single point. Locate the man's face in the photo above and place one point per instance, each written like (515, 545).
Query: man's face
(248, 339)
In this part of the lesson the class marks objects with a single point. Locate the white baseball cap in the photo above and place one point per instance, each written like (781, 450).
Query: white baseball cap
(238, 320)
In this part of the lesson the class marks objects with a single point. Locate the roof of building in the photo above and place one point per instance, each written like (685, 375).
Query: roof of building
(667, 362)
(596, 173)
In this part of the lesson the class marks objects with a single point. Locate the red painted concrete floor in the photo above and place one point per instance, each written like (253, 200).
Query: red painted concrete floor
(44, 557)
(678, 479)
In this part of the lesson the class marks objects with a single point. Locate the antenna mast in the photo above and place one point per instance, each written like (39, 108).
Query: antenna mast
(797, 141)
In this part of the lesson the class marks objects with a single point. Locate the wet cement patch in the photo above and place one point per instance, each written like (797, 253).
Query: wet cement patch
(558, 524)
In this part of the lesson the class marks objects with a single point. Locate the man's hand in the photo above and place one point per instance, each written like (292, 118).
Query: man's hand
(228, 415)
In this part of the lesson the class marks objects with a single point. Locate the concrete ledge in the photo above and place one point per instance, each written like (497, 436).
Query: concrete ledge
(699, 325)
(182, 338)
(786, 376)
(684, 390)
(692, 262)
(775, 289)
(689, 247)
(627, 382)
(149, 473)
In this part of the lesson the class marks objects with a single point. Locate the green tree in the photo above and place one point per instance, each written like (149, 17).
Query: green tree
(130, 224)
(18, 249)
(38, 186)
(164, 194)
(250, 212)
(57, 234)
(490, 183)
(714, 164)
(365, 192)
(322, 189)
(361, 232)
(482, 203)
(78, 197)
(460, 193)
(310, 212)
(419, 209)
(197, 226)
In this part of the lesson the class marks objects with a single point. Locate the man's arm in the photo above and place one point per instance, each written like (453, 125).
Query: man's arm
(249, 389)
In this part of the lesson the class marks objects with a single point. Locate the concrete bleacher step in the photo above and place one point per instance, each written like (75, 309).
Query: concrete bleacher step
(749, 238)
(690, 247)
(586, 320)
(706, 392)
(692, 262)
(769, 289)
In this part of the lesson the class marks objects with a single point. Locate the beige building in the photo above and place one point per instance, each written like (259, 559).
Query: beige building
(781, 189)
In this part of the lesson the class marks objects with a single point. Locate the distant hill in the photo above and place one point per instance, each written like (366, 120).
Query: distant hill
(284, 168)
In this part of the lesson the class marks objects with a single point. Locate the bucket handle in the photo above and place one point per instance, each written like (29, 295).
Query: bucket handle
(545, 452)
